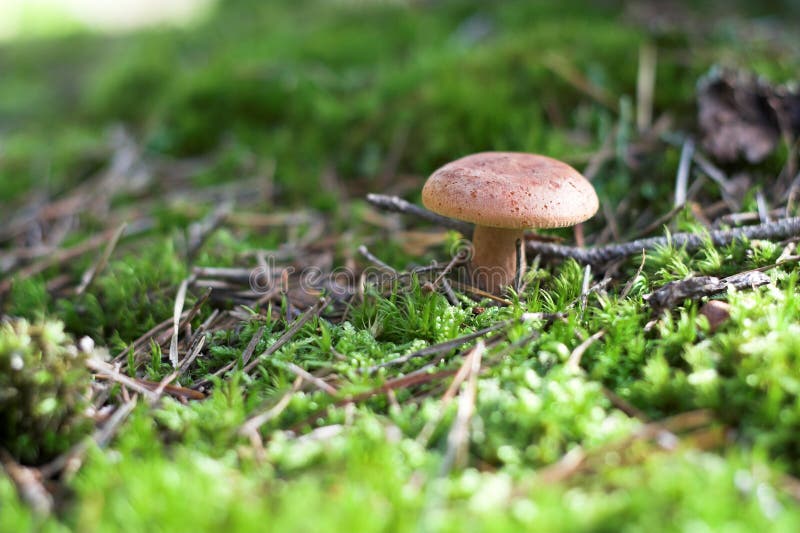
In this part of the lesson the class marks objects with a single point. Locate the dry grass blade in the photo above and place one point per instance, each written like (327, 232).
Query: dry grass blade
(180, 299)
(458, 438)
(425, 435)
(569, 464)
(192, 355)
(251, 346)
(163, 384)
(682, 178)
(645, 86)
(584, 296)
(154, 334)
(624, 405)
(629, 285)
(659, 222)
(480, 292)
(418, 377)
(161, 332)
(460, 257)
(574, 361)
(200, 231)
(173, 390)
(576, 460)
(561, 66)
(314, 380)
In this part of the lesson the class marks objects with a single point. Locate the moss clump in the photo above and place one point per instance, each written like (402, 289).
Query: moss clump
(43, 386)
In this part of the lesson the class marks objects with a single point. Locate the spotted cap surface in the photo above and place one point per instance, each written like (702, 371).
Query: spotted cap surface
(511, 190)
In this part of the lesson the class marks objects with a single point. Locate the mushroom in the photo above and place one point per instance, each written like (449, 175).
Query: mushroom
(504, 193)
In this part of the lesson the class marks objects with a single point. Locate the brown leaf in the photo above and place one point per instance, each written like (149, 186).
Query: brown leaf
(741, 115)
(717, 312)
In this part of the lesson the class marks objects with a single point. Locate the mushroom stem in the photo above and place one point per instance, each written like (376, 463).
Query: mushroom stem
(494, 260)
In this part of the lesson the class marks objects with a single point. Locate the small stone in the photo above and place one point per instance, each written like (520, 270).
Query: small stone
(717, 312)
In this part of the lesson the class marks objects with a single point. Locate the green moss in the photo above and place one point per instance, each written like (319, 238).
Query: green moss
(43, 390)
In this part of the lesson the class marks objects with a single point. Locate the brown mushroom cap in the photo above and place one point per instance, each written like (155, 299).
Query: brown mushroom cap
(510, 190)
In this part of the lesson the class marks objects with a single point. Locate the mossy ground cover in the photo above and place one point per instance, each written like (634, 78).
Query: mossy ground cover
(251, 139)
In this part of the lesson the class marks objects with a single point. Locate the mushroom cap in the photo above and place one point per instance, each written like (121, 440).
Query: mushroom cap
(511, 190)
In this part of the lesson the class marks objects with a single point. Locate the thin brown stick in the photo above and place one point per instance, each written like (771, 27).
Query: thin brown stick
(774, 230)
(398, 205)
(28, 483)
(251, 346)
(106, 371)
(372, 258)
(194, 352)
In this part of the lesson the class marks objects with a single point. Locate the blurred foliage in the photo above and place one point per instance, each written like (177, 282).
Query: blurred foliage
(44, 388)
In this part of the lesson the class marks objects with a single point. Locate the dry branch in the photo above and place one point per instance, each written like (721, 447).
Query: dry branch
(774, 230)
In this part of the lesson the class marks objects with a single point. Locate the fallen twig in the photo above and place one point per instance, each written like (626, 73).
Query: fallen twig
(106, 371)
(695, 287)
(29, 485)
(194, 351)
(398, 205)
(369, 256)
(774, 230)
(251, 346)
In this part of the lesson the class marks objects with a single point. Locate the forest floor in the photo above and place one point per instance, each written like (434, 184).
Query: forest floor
(207, 326)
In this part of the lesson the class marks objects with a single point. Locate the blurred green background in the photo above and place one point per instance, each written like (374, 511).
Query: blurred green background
(369, 90)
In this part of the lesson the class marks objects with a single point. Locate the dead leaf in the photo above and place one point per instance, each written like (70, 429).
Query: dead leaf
(717, 312)
(741, 115)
